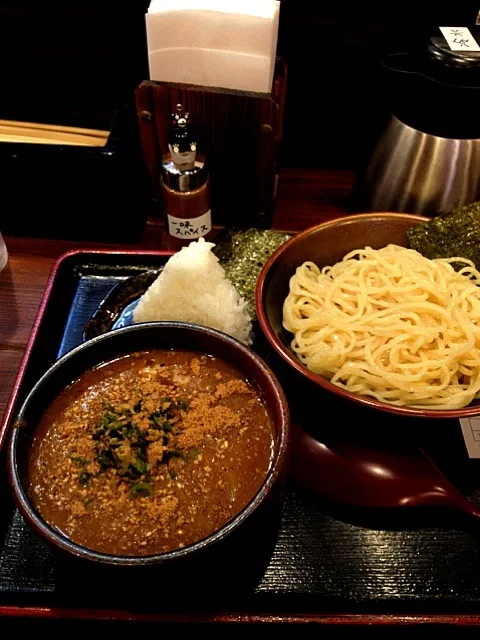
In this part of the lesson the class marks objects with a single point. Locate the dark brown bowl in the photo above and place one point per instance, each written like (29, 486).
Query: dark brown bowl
(159, 335)
(326, 244)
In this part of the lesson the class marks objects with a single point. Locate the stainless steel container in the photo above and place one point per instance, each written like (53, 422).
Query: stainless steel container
(427, 159)
(414, 171)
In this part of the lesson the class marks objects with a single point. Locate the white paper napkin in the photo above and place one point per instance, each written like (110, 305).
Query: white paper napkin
(220, 43)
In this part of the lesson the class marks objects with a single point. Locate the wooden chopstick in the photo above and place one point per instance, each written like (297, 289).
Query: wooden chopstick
(38, 133)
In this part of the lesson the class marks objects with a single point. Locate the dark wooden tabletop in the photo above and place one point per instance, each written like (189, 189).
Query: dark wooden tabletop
(305, 198)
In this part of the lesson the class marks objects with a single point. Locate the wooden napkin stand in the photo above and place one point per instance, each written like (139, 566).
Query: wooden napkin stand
(240, 134)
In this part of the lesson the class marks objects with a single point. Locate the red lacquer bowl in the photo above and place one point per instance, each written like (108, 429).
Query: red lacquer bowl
(326, 244)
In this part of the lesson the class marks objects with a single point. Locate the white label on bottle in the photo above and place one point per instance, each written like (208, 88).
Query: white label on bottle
(459, 39)
(471, 436)
(190, 228)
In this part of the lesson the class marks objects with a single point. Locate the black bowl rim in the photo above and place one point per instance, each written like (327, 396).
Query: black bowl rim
(58, 539)
(290, 359)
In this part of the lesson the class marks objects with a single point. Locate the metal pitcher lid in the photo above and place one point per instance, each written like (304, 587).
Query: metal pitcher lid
(439, 51)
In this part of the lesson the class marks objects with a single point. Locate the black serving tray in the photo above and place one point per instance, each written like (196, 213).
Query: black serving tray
(329, 563)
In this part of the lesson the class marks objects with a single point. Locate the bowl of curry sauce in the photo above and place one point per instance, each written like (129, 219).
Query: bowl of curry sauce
(149, 444)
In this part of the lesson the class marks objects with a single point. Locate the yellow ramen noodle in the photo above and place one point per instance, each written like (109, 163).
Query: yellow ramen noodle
(390, 324)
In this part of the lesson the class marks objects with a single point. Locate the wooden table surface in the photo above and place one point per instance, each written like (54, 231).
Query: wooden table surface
(305, 198)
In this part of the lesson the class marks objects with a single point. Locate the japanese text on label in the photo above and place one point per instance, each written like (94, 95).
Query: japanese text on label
(459, 39)
(190, 228)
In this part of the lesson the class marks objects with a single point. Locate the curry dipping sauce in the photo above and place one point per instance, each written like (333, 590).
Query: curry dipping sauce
(150, 453)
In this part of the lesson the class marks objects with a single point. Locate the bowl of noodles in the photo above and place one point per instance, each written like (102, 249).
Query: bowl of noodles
(354, 310)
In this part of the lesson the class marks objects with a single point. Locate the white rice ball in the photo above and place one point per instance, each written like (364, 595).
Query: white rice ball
(193, 288)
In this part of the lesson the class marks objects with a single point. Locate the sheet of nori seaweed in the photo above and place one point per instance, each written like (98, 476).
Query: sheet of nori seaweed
(451, 234)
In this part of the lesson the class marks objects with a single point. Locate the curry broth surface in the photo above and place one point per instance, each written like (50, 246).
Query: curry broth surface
(150, 453)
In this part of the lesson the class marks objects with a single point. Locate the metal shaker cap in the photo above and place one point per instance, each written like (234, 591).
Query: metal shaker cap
(183, 169)
(184, 179)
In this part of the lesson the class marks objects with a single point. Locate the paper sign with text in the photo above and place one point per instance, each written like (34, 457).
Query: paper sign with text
(459, 39)
(471, 435)
(190, 229)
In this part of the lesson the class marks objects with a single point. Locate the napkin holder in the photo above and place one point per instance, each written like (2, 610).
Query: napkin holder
(240, 133)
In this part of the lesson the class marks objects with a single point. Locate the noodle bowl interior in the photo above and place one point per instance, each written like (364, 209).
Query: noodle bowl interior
(390, 324)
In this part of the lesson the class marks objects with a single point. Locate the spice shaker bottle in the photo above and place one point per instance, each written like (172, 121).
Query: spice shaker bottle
(185, 185)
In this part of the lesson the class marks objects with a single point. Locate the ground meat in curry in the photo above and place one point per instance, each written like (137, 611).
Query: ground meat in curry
(150, 453)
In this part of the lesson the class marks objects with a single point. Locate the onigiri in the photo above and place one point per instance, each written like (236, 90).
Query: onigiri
(192, 287)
